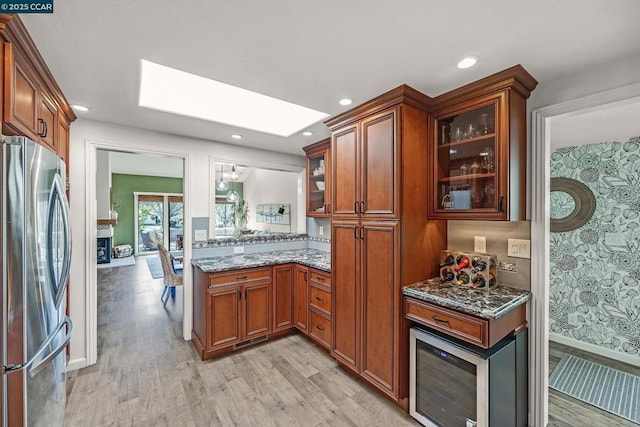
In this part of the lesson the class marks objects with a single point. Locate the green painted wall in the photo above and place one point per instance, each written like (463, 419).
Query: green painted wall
(122, 188)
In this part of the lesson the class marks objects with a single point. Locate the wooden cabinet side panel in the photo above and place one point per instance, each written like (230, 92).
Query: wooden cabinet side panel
(344, 150)
(379, 159)
(345, 262)
(201, 312)
(380, 304)
(282, 297)
(224, 319)
(257, 310)
(301, 298)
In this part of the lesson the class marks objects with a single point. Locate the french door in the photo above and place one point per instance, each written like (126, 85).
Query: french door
(159, 220)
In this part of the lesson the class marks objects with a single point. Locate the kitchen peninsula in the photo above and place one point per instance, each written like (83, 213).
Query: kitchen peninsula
(251, 297)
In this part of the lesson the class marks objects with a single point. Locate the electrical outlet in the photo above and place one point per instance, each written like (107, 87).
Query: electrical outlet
(519, 248)
(238, 249)
(480, 244)
(321, 230)
(200, 235)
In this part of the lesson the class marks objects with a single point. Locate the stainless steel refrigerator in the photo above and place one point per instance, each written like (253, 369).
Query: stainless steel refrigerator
(35, 254)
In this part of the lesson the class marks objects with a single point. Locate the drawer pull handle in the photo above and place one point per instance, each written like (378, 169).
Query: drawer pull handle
(241, 277)
(319, 279)
(439, 320)
(320, 327)
(320, 299)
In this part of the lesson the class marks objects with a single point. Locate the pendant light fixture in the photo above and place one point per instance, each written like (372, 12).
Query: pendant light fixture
(222, 185)
(234, 175)
(233, 196)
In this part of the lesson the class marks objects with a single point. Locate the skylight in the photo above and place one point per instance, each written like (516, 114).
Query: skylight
(178, 92)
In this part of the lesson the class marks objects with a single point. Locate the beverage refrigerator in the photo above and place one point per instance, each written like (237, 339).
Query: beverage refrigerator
(36, 253)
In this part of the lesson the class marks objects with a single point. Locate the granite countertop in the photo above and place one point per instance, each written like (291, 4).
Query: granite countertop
(488, 304)
(310, 257)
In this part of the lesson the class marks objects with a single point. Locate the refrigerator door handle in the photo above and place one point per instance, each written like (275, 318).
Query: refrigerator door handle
(39, 361)
(57, 198)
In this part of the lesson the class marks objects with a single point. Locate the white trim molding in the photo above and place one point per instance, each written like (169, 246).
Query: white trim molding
(91, 230)
(540, 193)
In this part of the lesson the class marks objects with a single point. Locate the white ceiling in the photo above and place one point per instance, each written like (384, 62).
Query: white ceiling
(313, 53)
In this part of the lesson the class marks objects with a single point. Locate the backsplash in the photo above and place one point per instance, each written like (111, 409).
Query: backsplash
(595, 269)
(515, 272)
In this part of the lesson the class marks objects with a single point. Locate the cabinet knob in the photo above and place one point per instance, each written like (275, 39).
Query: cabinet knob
(320, 299)
(320, 327)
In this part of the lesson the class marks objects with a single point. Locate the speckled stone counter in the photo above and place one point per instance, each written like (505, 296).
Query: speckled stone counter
(490, 304)
(310, 257)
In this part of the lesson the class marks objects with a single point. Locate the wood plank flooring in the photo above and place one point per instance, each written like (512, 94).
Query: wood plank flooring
(147, 375)
(567, 411)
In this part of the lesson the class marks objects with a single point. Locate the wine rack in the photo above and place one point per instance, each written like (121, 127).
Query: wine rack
(470, 269)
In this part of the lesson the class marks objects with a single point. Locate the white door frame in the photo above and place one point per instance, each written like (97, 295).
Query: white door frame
(540, 191)
(91, 303)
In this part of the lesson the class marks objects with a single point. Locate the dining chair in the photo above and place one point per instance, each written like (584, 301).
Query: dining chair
(171, 278)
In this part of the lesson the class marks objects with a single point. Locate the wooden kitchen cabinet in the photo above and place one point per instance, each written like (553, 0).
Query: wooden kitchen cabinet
(320, 307)
(319, 179)
(231, 308)
(381, 238)
(366, 166)
(367, 299)
(283, 290)
(479, 149)
(33, 104)
(301, 298)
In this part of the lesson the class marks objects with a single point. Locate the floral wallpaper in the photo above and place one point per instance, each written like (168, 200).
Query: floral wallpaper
(595, 269)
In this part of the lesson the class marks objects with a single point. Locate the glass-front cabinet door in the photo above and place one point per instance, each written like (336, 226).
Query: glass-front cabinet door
(318, 179)
(467, 177)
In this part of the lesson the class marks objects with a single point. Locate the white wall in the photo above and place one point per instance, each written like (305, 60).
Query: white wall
(271, 187)
(142, 164)
(199, 152)
(103, 184)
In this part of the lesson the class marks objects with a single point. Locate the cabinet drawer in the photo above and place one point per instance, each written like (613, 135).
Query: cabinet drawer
(320, 328)
(239, 276)
(320, 299)
(318, 277)
(468, 328)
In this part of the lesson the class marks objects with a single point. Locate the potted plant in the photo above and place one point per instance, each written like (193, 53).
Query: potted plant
(241, 215)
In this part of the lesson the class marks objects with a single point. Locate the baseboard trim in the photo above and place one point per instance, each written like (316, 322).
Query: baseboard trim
(612, 354)
(77, 364)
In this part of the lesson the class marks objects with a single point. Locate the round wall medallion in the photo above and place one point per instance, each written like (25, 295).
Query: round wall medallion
(575, 195)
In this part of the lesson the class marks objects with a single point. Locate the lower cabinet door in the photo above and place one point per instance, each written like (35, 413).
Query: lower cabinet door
(381, 304)
(345, 259)
(282, 297)
(301, 298)
(257, 310)
(223, 312)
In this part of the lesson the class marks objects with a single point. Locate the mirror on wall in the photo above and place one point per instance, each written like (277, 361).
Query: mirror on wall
(254, 200)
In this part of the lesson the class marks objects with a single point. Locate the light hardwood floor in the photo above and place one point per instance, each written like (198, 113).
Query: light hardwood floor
(147, 375)
(567, 411)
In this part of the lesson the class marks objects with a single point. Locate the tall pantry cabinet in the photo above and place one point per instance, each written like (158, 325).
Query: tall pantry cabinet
(381, 239)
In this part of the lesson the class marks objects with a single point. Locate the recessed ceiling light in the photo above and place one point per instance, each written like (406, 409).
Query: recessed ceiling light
(79, 107)
(236, 136)
(307, 133)
(346, 101)
(207, 99)
(467, 62)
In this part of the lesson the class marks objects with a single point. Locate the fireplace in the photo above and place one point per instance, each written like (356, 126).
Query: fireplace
(104, 250)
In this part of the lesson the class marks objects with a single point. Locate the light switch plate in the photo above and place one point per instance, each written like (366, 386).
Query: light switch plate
(519, 248)
(480, 244)
(321, 230)
(238, 249)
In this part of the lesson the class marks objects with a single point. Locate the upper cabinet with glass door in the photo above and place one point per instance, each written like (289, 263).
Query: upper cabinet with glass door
(479, 149)
(318, 179)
